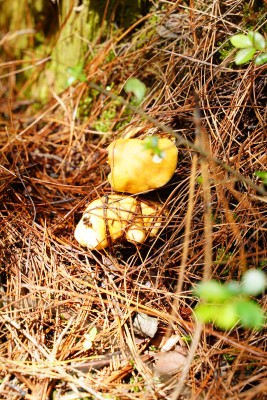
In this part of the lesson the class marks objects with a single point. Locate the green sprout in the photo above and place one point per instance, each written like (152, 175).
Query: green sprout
(227, 305)
(135, 86)
(76, 74)
(248, 45)
(152, 143)
(89, 338)
(262, 175)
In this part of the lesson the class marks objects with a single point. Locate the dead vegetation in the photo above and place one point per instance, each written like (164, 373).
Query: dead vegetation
(53, 161)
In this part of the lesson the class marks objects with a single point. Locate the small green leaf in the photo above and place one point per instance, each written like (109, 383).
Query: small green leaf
(253, 282)
(92, 334)
(76, 74)
(213, 291)
(89, 338)
(226, 317)
(262, 175)
(251, 315)
(199, 179)
(206, 312)
(244, 55)
(241, 41)
(137, 87)
(151, 143)
(257, 40)
(261, 59)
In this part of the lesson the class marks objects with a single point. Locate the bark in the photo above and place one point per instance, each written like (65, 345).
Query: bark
(65, 31)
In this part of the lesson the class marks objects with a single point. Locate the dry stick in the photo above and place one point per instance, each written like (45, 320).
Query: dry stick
(181, 140)
(188, 219)
(202, 140)
(175, 395)
(186, 235)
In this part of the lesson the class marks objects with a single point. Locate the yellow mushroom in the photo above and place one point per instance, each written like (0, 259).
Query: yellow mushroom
(135, 168)
(111, 217)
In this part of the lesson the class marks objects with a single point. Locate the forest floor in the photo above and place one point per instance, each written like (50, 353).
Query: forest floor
(67, 313)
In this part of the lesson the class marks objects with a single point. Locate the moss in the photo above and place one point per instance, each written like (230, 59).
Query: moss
(85, 107)
(225, 50)
(62, 32)
(222, 257)
(104, 123)
(111, 56)
(254, 15)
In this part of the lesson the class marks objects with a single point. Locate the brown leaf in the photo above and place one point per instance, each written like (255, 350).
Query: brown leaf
(168, 364)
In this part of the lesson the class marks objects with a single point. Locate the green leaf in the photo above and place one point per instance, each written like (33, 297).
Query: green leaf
(253, 282)
(241, 41)
(199, 180)
(226, 317)
(137, 87)
(152, 143)
(251, 315)
(92, 334)
(261, 59)
(76, 74)
(262, 175)
(257, 40)
(89, 338)
(213, 291)
(244, 55)
(206, 312)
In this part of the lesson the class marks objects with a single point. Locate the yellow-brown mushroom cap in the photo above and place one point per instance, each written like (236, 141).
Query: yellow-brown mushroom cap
(111, 217)
(135, 169)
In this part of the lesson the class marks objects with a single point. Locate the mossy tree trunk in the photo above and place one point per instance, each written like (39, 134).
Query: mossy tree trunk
(65, 31)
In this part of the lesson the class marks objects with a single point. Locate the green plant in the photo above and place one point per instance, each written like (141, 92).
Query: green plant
(222, 256)
(153, 348)
(89, 338)
(224, 50)
(186, 338)
(76, 74)
(135, 86)
(106, 119)
(229, 357)
(152, 143)
(248, 45)
(229, 304)
(262, 175)
(134, 381)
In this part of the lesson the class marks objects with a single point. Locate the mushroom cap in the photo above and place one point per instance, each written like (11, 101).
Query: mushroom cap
(136, 234)
(91, 229)
(135, 169)
(151, 221)
(107, 219)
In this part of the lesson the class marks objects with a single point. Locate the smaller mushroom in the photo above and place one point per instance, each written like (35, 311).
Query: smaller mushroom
(115, 216)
